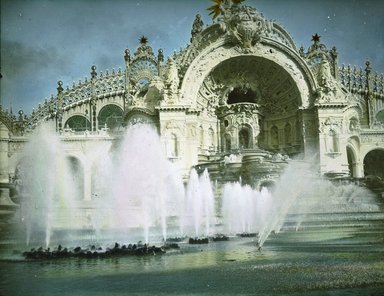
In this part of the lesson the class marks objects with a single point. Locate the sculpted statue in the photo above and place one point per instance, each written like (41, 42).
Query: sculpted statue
(197, 26)
(327, 90)
(172, 76)
(325, 75)
(353, 124)
(155, 92)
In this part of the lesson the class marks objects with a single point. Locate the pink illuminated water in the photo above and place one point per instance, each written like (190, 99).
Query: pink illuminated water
(135, 193)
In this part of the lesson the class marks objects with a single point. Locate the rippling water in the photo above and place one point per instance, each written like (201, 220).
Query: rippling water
(337, 261)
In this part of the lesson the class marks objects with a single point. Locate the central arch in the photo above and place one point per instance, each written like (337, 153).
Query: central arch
(270, 55)
(251, 80)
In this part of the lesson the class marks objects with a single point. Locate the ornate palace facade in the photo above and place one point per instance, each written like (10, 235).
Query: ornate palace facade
(240, 89)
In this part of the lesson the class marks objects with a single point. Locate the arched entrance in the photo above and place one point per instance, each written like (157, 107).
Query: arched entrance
(351, 162)
(374, 163)
(261, 87)
(245, 136)
(227, 142)
(249, 103)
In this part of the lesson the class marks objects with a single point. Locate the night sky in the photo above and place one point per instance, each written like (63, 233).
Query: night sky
(43, 41)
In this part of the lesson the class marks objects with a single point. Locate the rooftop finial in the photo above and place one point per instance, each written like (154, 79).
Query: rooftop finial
(368, 67)
(60, 87)
(93, 72)
(160, 56)
(127, 56)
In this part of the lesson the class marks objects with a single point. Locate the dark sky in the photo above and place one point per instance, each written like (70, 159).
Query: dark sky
(43, 41)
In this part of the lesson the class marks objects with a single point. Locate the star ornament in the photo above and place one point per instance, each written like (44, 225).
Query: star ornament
(143, 40)
(316, 38)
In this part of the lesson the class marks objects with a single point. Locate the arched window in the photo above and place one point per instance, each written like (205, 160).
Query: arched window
(211, 134)
(298, 131)
(227, 142)
(173, 146)
(288, 134)
(274, 132)
(244, 138)
(110, 116)
(351, 162)
(380, 116)
(78, 123)
(202, 136)
(333, 142)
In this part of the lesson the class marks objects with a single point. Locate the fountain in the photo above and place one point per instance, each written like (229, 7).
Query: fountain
(298, 196)
(254, 206)
(145, 189)
(137, 194)
(46, 185)
(135, 189)
(199, 210)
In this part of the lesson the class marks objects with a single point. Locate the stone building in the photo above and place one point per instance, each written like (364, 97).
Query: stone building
(239, 96)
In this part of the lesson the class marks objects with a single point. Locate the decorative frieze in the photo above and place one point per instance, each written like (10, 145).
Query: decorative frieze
(372, 138)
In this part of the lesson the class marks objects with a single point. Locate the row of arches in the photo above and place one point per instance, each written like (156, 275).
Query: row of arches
(245, 138)
(285, 136)
(110, 116)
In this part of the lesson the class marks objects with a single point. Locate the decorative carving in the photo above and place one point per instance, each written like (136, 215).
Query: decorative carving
(309, 128)
(331, 123)
(373, 138)
(171, 76)
(14, 147)
(275, 96)
(248, 109)
(244, 25)
(142, 71)
(325, 78)
(354, 125)
(144, 50)
(233, 158)
(171, 83)
(173, 125)
(192, 131)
